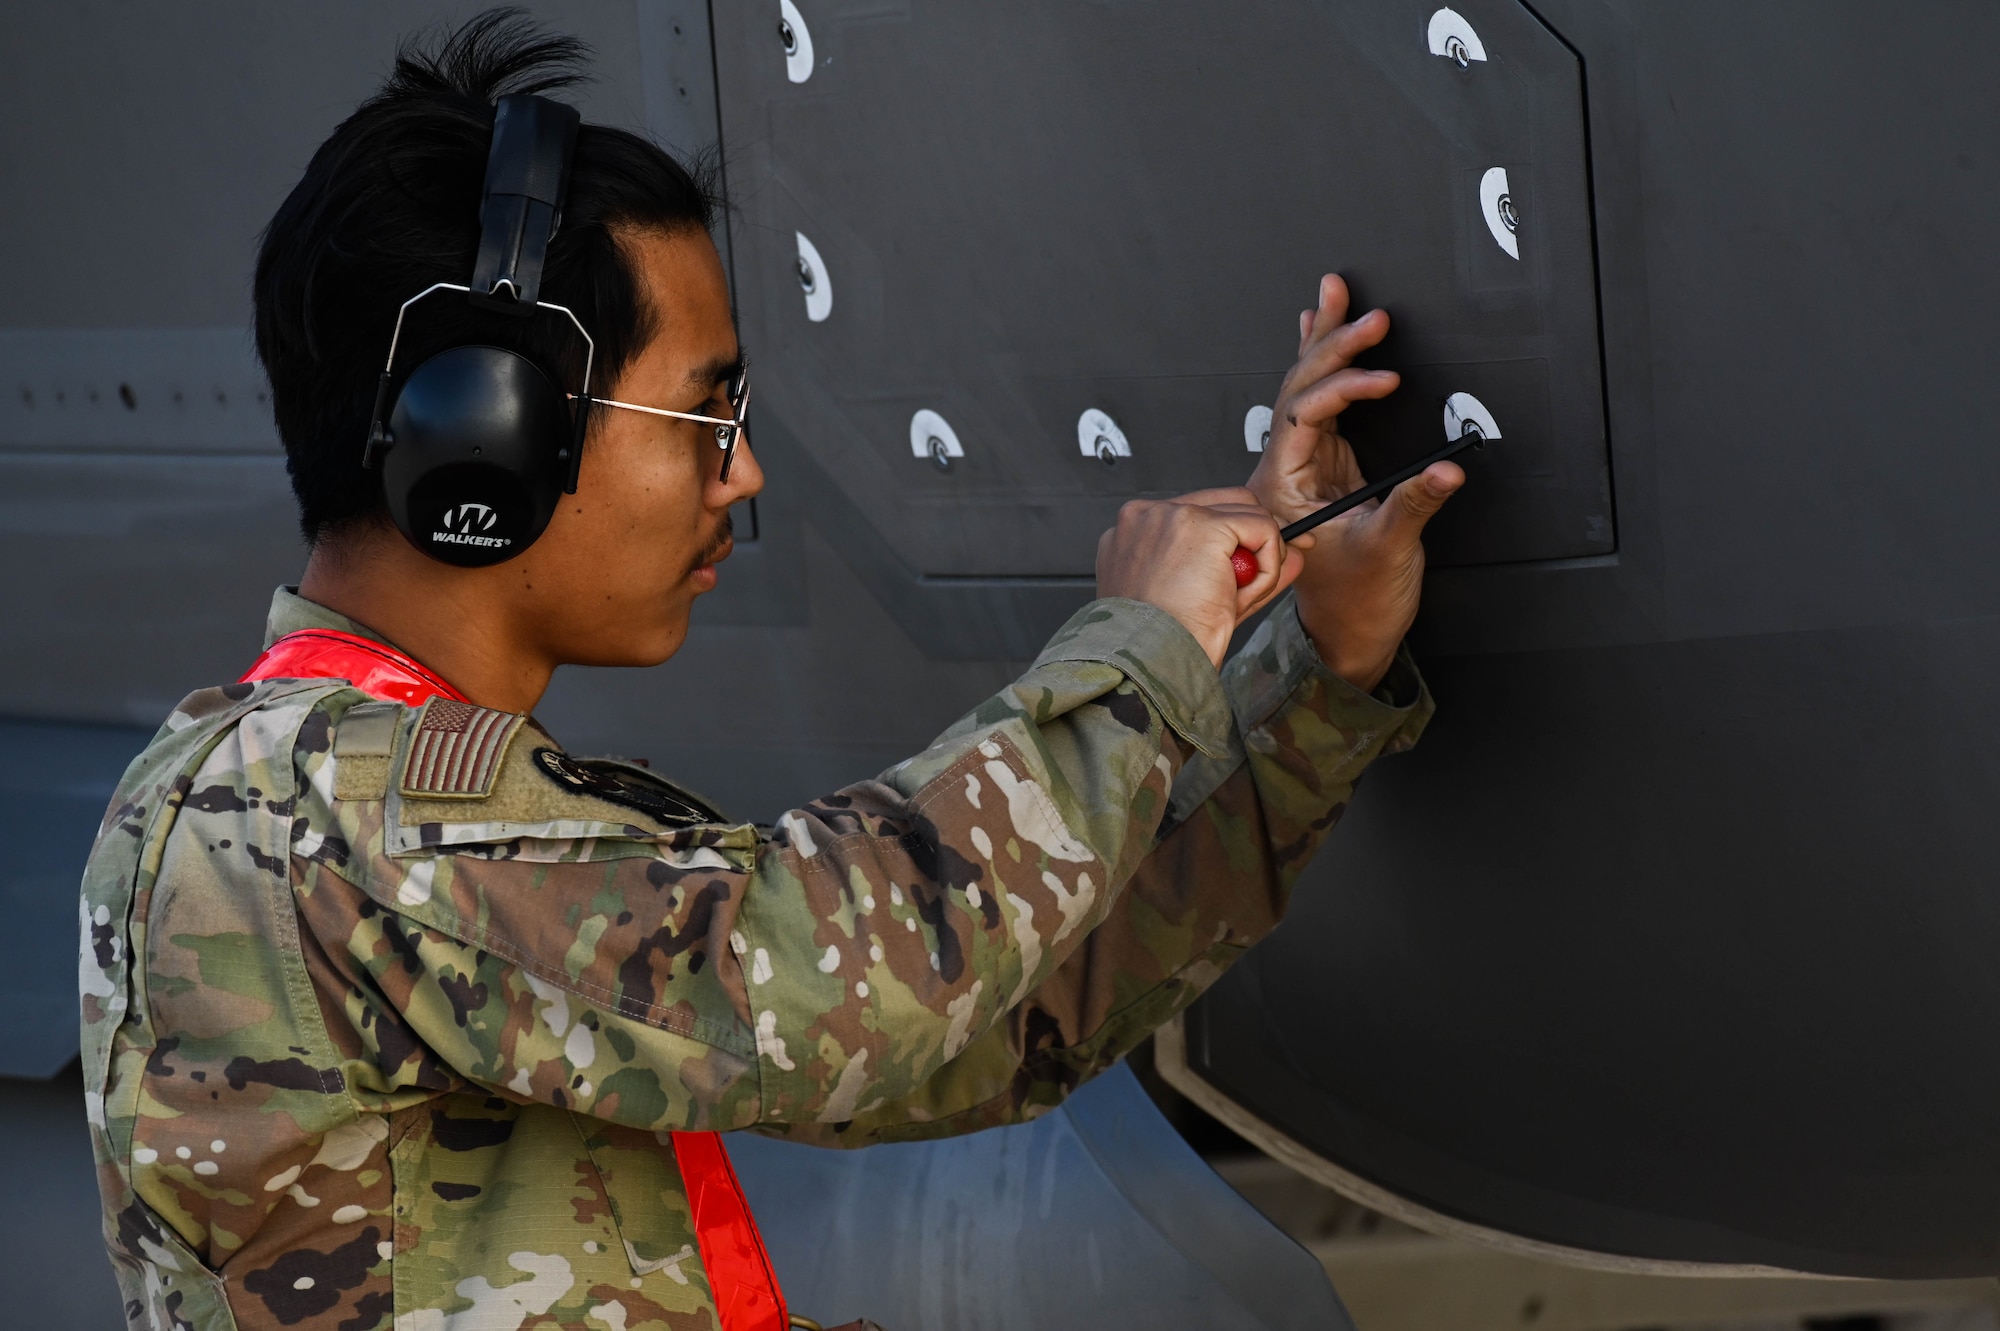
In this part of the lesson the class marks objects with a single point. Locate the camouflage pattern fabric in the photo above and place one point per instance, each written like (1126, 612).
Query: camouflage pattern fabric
(388, 1013)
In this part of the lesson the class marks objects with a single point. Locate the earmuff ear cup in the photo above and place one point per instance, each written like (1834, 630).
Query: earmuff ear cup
(478, 459)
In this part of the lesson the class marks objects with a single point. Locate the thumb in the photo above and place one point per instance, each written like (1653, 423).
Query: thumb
(1413, 503)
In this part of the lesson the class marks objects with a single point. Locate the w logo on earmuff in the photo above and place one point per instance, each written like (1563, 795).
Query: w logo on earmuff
(470, 519)
(467, 524)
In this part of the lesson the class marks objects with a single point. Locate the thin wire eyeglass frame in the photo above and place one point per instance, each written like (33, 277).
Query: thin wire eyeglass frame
(727, 431)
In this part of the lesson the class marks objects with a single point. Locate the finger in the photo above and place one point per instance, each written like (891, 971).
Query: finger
(1333, 301)
(1252, 512)
(1233, 496)
(1403, 513)
(1353, 336)
(1278, 567)
(1325, 317)
(1317, 406)
(1248, 527)
(1338, 348)
(1264, 590)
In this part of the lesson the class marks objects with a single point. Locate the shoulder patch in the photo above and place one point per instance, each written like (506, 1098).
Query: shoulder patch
(456, 750)
(626, 785)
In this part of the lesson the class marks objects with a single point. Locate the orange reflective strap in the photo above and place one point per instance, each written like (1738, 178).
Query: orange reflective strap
(732, 1252)
(375, 668)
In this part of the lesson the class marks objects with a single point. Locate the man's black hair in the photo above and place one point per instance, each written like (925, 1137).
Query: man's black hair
(390, 204)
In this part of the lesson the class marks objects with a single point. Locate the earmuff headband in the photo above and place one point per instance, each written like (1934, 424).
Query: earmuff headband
(395, 336)
(527, 173)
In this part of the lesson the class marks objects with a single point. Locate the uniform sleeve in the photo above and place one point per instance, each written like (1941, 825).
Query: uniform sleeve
(1240, 826)
(537, 939)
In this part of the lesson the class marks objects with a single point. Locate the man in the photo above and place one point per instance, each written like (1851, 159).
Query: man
(397, 1015)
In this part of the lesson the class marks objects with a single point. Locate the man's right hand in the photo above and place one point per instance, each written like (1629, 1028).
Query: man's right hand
(1174, 554)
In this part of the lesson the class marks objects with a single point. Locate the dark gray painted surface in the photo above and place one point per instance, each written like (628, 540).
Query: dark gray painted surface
(1026, 211)
(1759, 1029)
(54, 781)
(1674, 938)
(154, 144)
(53, 1269)
(1096, 1214)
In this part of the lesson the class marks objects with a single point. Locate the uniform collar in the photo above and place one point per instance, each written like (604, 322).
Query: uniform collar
(291, 612)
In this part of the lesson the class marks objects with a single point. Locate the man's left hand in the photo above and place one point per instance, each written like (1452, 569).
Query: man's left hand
(1364, 573)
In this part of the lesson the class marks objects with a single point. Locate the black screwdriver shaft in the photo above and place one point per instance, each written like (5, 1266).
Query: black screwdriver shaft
(1375, 489)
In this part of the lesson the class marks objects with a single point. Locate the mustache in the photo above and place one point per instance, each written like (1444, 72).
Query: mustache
(724, 533)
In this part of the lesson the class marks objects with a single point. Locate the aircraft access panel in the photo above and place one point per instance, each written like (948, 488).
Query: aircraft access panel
(1180, 174)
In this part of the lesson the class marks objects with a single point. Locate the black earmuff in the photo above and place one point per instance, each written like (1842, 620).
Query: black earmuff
(481, 442)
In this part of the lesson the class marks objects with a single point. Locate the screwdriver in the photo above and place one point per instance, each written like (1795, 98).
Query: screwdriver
(1244, 561)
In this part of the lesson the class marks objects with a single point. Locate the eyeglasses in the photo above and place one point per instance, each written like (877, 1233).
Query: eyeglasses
(727, 431)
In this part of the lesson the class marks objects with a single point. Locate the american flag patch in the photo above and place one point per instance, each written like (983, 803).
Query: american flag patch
(457, 750)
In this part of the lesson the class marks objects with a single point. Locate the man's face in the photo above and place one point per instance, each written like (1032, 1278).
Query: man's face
(613, 579)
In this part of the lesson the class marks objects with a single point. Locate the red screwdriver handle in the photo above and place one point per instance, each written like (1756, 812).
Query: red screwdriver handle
(1244, 562)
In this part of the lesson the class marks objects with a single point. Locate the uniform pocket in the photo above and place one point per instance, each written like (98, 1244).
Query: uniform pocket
(649, 1203)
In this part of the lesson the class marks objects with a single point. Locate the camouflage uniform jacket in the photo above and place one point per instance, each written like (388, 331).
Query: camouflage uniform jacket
(388, 1012)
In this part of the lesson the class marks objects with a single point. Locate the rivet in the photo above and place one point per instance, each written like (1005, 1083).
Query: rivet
(1496, 204)
(1098, 436)
(931, 436)
(797, 40)
(1452, 37)
(814, 280)
(1257, 429)
(1465, 415)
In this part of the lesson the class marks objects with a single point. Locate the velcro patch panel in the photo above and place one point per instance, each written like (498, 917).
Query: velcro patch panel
(368, 730)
